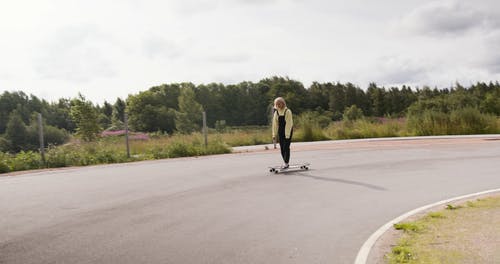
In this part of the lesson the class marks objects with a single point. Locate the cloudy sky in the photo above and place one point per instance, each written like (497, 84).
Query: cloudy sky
(107, 49)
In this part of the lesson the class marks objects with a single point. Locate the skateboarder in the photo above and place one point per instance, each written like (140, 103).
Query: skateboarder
(283, 128)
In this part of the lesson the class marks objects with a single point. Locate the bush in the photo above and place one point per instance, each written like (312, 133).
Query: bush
(429, 122)
(55, 136)
(471, 121)
(309, 127)
(56, 157)
(217, 147)
(51, 136)
(106, 156)
(181, 149)
(352, 113)
(4, 145)
(4, 167)
(82, 155)
(25, 161)
(157, 152)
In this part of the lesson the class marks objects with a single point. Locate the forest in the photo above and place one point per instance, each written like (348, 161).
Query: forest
(176, 108)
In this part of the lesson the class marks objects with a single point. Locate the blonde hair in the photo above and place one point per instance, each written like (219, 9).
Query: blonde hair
(278, 100)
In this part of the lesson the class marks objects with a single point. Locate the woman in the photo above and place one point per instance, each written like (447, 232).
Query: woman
(283, 128)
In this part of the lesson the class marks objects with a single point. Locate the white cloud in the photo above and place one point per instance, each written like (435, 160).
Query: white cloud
(159, 47)
(450, 18)
(59, 48)
(491, 53)
(397, 70)
(189, 7)
(229, 58)
(78, 54)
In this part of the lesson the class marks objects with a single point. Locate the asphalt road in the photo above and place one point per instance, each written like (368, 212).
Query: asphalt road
(230, 209)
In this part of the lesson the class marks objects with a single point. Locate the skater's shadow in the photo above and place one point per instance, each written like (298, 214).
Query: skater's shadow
(367, 185)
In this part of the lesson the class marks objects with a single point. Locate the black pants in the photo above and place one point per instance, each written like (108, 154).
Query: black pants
(285, 148)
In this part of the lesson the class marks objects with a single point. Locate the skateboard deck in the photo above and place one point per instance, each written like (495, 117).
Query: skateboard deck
(292, 167)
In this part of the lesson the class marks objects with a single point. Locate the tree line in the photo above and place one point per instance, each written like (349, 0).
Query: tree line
(177, 107)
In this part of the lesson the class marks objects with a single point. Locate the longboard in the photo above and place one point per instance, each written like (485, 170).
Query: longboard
(292, 167)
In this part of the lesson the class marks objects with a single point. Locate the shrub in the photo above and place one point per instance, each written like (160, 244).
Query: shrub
(471, 121)
(25, 161)
(352, 113)
(217, 147)
(3, 162)
(51, 135)
(308, 127)
(4, 168)
(105, 156)
(157, 152)
(181, 149)
(4, 145)
(56, 157)
(55, 136)
(429, 122)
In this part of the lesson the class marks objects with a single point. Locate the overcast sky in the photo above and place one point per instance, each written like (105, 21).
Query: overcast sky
(107, 49)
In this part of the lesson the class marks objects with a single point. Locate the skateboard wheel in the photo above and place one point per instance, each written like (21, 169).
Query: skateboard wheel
(271, 170)
(306, 168)
(276, 171)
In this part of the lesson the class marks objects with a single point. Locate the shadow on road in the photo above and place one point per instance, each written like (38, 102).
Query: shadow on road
(367, 185)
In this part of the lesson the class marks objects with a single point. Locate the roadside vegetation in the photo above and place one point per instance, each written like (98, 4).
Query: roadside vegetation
(166, 120)
(147, 146)
(465, 233)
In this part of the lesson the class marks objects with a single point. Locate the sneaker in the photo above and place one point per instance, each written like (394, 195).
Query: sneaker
(286, 166)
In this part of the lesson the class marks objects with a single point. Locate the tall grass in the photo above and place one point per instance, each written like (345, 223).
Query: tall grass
(365, 128)
(112, 150)
(308, 127)
(458, 122)
(243, 136)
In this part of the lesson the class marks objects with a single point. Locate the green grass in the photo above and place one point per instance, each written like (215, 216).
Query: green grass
(402, 253)
(453, 207)
(410, 226)
(436, 215)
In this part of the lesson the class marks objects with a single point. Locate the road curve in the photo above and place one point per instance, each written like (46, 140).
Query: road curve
(230, 209)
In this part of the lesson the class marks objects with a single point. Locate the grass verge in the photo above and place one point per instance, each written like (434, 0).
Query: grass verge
(464, 233)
